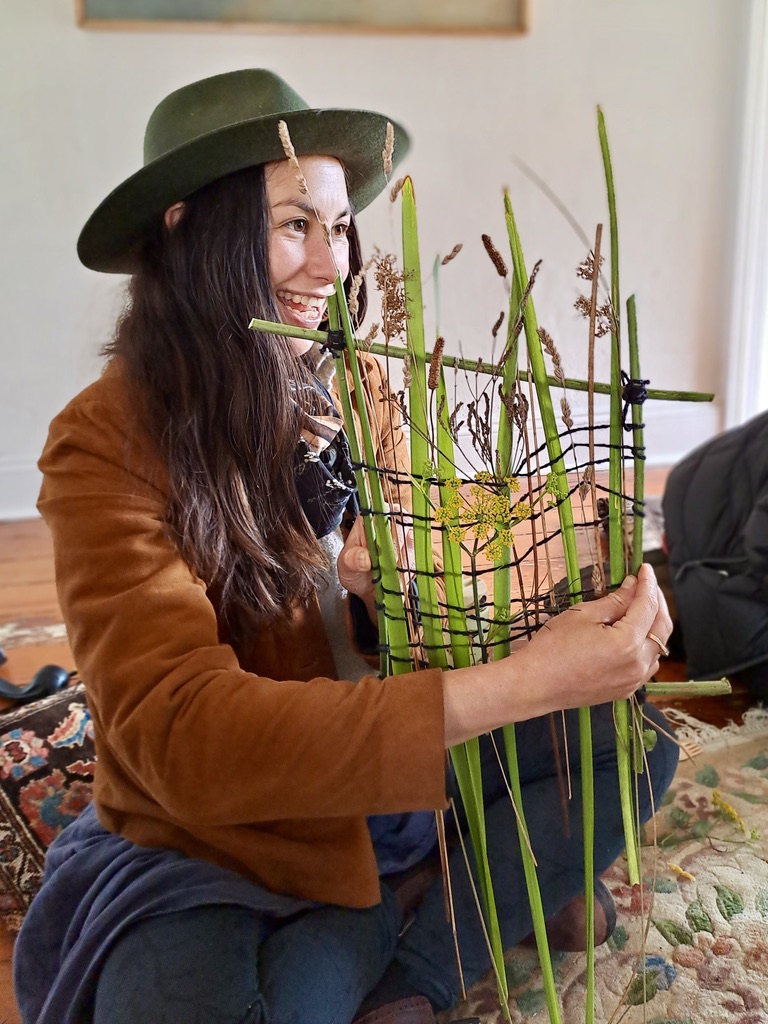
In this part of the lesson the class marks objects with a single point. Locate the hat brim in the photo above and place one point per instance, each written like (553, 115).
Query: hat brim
(355, 137)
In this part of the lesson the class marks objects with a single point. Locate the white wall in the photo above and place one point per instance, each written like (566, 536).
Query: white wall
(668, 74)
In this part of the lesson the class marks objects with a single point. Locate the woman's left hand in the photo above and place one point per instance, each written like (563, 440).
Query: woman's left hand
(354, 561)
(354, 567)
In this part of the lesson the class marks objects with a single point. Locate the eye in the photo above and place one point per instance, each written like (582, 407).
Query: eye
(340, 230)
(299, 224)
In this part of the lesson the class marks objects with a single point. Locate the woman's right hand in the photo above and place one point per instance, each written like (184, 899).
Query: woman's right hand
(595, 652)
(600, 650)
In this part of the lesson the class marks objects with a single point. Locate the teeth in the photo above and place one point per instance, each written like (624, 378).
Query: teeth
(301, 300)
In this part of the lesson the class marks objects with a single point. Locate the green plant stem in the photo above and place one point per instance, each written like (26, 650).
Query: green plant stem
(383, 548)
(691, 688)
(638, 519)
(573, 573)
(638, 439)
(531, 879)
(397, 352)
(618, 561)
(431, 623)
(363, 494)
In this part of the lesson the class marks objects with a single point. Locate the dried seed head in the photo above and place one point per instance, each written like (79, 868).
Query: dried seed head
(354, 288)
(497, 326)
(389, 282)
(598, 582)
(452, 254)
(496, 257)
(586, 269)
(407, 375)
(434, 367)
(548, 344)
(394, 192)
(354, 291)
(566, 411)
(521, 409)
(585, 483)
(389, 149)
(583, 306)
(516, 407)
(290, 155)
(373, 331)
(454, 423)
(285, 140)
(606, 321)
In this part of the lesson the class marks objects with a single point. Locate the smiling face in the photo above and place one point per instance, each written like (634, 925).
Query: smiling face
(302, 263)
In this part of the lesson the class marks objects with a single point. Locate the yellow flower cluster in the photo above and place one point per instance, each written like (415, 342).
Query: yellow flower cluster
(727, 811)
(487, 510)
(556, 488)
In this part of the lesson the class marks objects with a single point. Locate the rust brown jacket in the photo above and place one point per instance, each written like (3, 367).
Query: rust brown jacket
(264, 764)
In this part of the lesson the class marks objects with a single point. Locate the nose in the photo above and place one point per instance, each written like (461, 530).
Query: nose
(323, 261)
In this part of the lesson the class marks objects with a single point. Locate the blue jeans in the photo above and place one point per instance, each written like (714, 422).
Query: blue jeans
(230, 965)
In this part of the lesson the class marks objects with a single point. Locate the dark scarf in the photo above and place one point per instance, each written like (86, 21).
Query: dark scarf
(325, 479)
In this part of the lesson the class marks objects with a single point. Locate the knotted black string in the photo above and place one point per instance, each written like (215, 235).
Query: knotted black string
(634, 392)
(335, 343)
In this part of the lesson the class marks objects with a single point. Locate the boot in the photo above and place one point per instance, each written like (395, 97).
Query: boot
(567, 930)
(414, 1010)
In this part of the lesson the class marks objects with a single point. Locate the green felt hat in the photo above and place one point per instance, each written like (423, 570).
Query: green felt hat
(219, 125)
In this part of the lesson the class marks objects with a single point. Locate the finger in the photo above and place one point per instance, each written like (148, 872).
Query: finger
(663, 618)
(612, 607)
(361, 559)
(645, 605)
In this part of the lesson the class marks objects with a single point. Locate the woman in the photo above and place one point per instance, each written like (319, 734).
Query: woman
(260, 797)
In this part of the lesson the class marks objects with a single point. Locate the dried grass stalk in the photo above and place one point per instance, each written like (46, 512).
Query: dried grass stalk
(389, 149)
(290, 156)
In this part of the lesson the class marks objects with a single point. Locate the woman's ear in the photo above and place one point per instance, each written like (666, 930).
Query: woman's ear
(173, 215)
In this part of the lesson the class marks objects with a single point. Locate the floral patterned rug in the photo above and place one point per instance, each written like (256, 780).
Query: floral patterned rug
(691, 944)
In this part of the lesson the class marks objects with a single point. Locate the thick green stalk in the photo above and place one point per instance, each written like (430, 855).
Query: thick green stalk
(692, 688)
(618, 564)
(392, 597)
(638, 518)
(616, 517)
(453, 572)
(637, 440)
(502, 575)
(531, 879)
(573, 573)
(397, 352)
(502, 588)
(363, 495)
(431, 622)
(466, 756)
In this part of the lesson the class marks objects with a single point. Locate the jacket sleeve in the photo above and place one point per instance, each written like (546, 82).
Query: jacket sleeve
(210, 742)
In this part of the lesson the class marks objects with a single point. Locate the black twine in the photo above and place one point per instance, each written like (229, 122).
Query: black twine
(335, 343)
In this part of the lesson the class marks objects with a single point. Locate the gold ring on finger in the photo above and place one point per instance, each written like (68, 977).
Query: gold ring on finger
(662, 646)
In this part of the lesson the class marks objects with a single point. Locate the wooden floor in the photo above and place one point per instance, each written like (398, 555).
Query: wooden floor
(32, 636)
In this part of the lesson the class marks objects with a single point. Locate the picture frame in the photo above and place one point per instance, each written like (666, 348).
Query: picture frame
(443, 17)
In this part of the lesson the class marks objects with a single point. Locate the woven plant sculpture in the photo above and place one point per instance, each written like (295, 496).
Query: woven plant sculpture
(489, 546)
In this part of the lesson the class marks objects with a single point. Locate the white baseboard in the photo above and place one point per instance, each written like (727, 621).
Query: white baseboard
(20, 481)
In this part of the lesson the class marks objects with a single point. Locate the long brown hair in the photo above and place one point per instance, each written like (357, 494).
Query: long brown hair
(224, 404)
